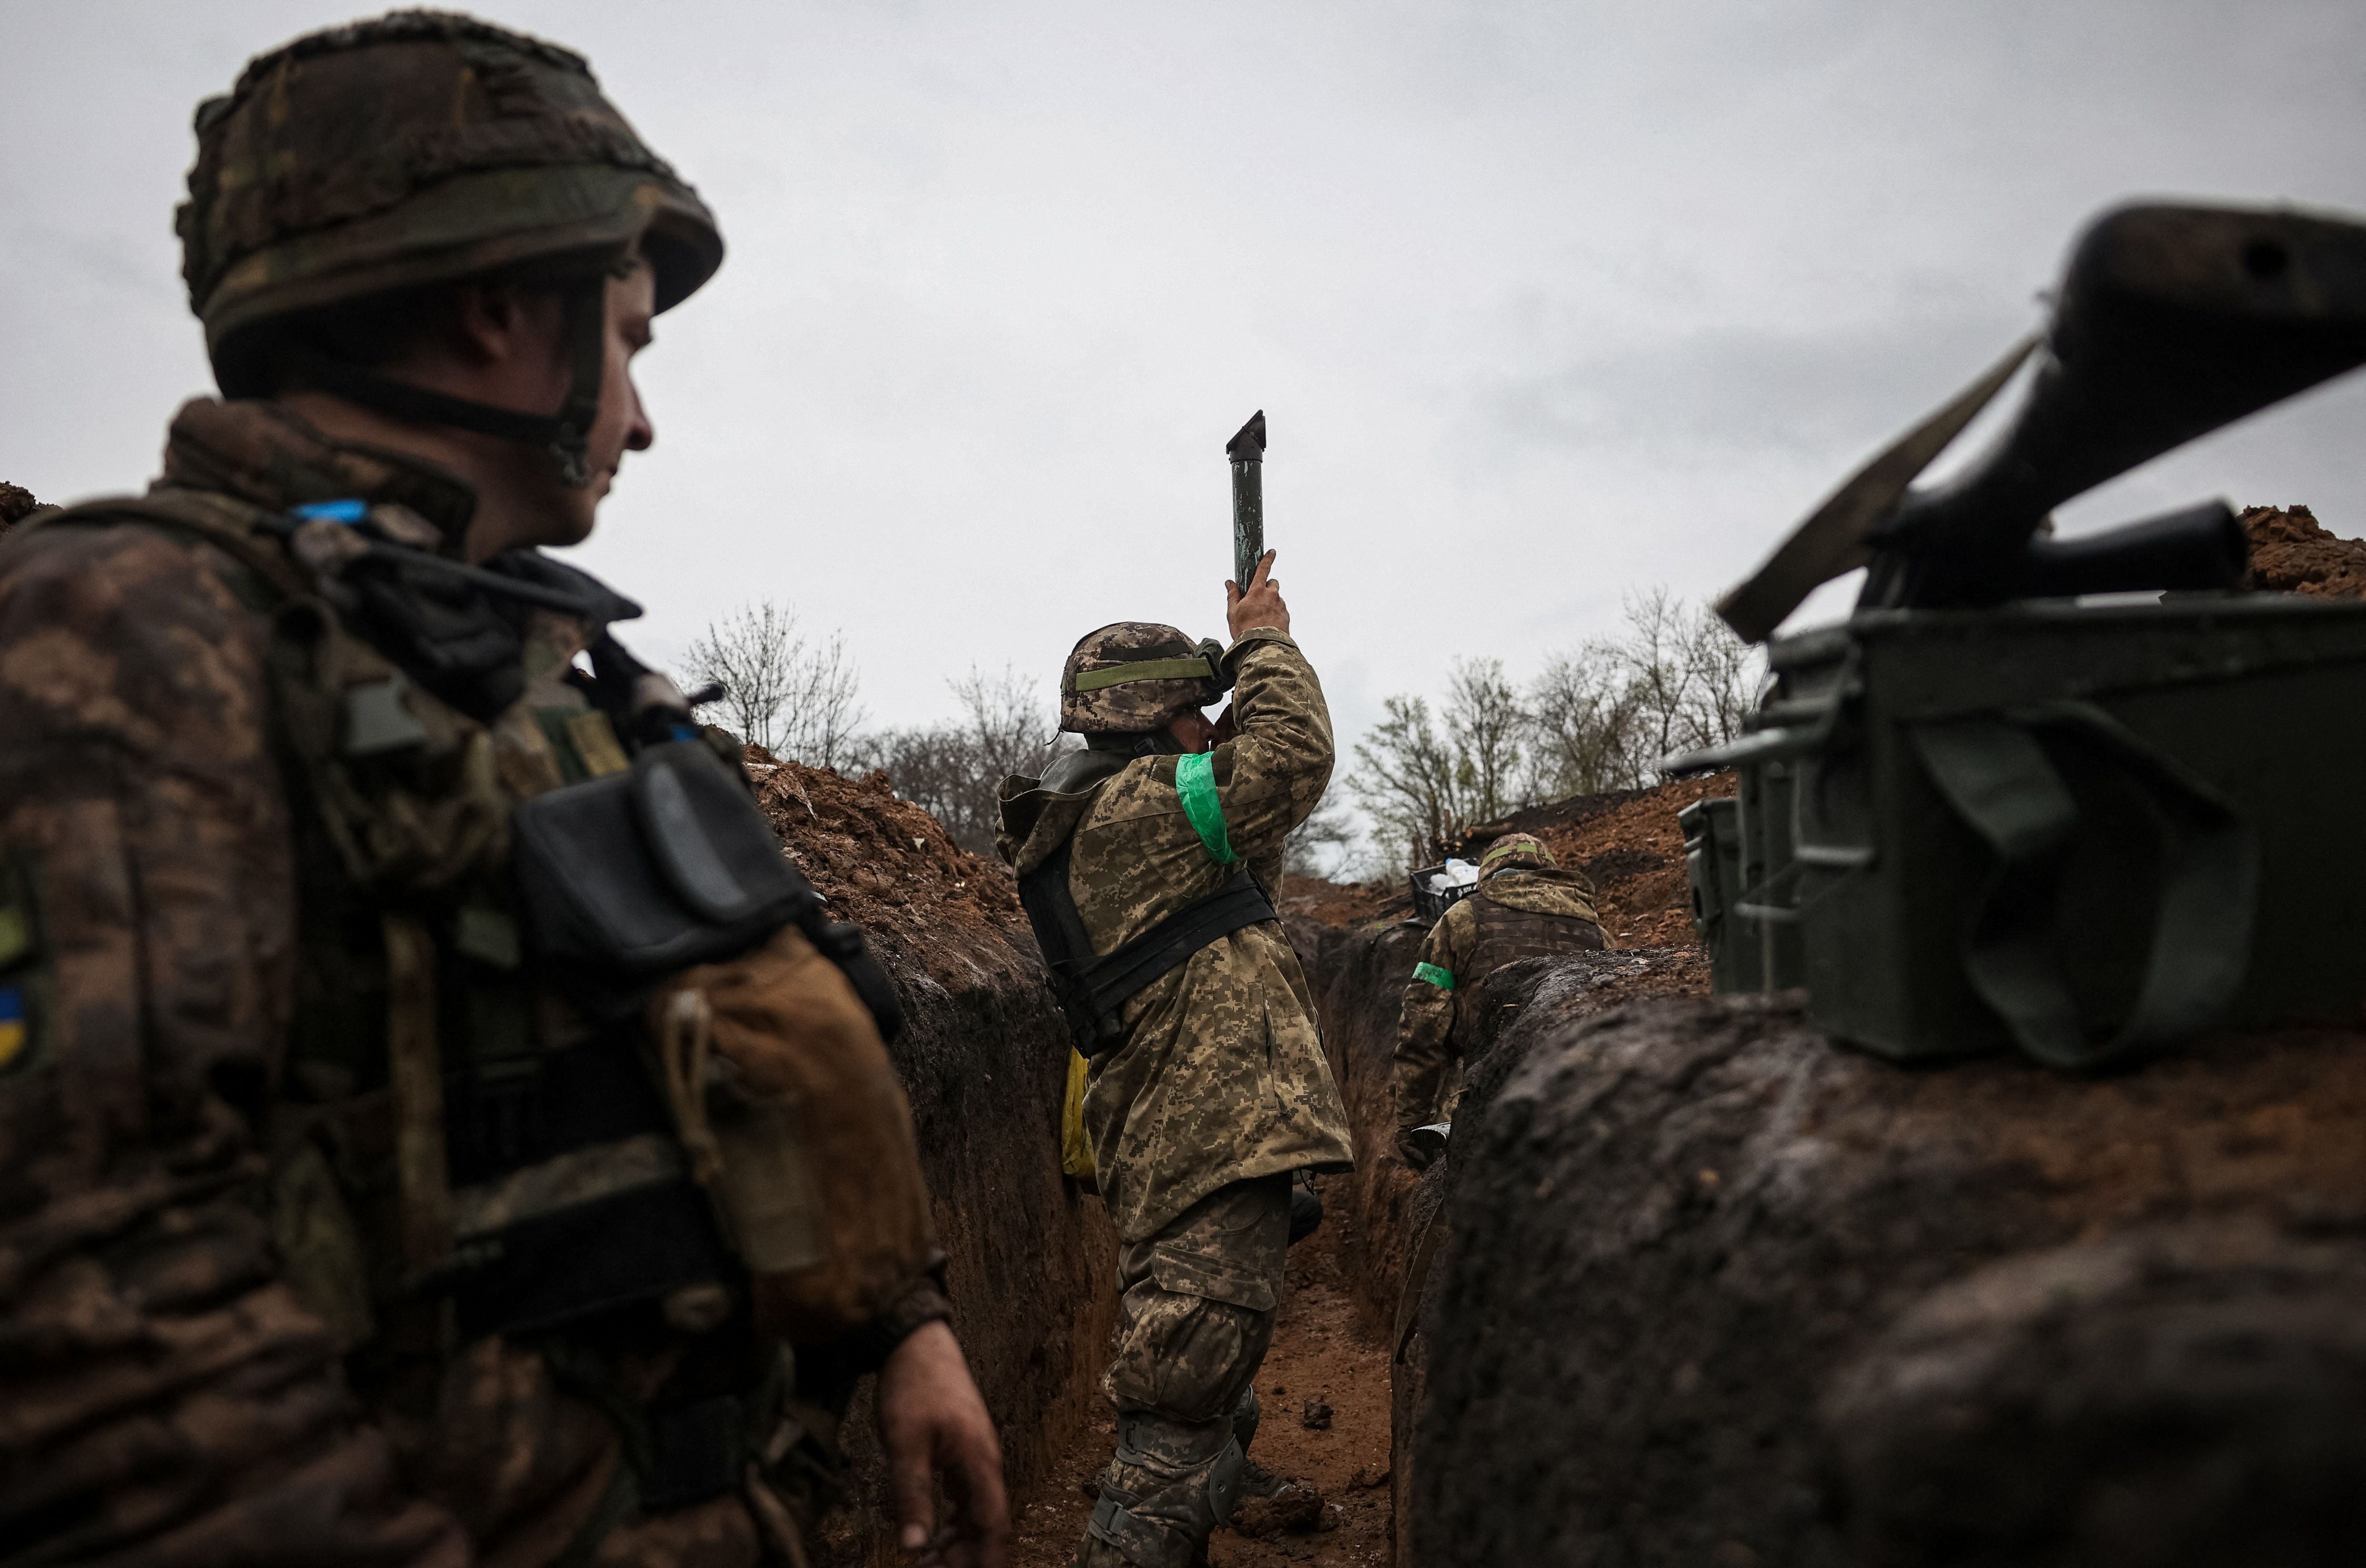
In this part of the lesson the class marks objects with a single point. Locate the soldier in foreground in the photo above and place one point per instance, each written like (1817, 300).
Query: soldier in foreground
(1525, 906)
(402, 1164)
(1145, 861)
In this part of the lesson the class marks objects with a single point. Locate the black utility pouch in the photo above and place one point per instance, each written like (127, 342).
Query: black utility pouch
(629, 878)
(644, 873)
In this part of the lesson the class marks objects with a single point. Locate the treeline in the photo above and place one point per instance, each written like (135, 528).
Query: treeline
(797, 696)
(1598, 716)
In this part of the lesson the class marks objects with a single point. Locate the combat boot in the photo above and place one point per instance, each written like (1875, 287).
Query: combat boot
(1170, 1484)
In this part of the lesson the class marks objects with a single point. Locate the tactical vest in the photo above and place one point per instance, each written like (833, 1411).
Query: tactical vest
(1093, 989)
(1505, 935)
(476, 1133)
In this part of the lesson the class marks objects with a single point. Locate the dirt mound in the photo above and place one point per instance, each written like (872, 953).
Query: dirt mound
(882, 863)
(2292, 553)
(1717, 1291)
(15, 504)
(1625, 841)
(1345, 903)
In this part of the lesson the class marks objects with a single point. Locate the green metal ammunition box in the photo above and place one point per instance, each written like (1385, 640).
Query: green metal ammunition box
(2087, 831)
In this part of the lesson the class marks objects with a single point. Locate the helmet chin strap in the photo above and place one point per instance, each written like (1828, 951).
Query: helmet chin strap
(565, 435)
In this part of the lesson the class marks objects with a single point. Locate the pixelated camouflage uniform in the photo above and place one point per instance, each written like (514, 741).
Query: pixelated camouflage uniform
(239, 857)
(1219, 1090)
(1523, 908)
(206, 1370)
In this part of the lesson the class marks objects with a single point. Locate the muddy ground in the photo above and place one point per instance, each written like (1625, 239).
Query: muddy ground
(1322, 1354)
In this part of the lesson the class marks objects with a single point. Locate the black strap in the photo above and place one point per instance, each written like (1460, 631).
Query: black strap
(1992, 770)
(1092, 990)
(565, 436)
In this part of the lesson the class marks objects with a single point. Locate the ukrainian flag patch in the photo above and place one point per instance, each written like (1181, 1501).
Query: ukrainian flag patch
(14, 1031)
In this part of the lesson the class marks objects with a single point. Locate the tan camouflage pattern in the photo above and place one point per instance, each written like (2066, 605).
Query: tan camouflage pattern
(1222, 1078)
(1514, 851)
(1133, 706)
(1432, 1022)
(1196, 1302)
(416, 148)
(178, 1392)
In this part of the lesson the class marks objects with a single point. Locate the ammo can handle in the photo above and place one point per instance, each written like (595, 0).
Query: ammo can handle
(1997, 776)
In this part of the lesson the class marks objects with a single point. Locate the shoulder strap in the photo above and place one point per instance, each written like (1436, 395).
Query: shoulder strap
(226, 524)
(1092, 989)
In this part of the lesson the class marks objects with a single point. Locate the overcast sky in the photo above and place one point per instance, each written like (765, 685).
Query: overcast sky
(1544, 303)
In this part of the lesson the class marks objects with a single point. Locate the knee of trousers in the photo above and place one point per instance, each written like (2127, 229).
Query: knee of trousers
(1187, 1359)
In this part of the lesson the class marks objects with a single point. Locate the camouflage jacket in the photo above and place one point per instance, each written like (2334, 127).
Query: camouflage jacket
(180, 1387)
(1221, 1075)
(1432, 1024)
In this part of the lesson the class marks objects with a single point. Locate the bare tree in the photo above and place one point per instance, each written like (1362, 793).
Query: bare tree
(1324, 844)
(954, 770)
(1485, 725)
(1406, 782)
(794, 695)
(1582, 729)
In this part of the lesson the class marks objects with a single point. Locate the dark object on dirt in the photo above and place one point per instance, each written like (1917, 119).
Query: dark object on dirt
(1294, 1510)
(1433, 890)
(1762, 1227)
(2090, 833)
(1091, 1489)
(2292, 553)
(1305, 1209)
(1367, 1477)
(1317, 1417)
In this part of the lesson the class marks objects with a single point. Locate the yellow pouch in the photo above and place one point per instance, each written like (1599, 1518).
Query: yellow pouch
(1075, 1154)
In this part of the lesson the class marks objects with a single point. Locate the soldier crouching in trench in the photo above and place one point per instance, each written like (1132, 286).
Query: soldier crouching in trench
(1147, 863)
(1525, 906)
(404, 1158)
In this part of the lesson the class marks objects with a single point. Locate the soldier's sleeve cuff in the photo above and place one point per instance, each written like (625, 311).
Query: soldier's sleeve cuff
(866, 1349)
(1251, 638)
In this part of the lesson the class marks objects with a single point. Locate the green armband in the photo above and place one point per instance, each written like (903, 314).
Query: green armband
(1195, 784)
(1442, 978)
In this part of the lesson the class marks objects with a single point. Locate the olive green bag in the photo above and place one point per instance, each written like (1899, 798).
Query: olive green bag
(2087, 832)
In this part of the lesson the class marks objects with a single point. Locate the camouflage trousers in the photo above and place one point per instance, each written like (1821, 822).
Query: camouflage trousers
(1196, 1310)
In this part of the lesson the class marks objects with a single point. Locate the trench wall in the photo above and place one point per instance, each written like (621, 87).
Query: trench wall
(1719, 1291)
(1031, 1258)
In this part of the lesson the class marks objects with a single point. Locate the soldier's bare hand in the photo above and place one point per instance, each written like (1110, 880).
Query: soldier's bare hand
(1261, 605)
(931, 1421)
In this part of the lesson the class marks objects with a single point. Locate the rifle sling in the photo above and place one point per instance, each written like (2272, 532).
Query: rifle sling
(1094, 988)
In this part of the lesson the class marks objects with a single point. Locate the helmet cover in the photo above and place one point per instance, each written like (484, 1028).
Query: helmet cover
(1132, 677)
(421, 147)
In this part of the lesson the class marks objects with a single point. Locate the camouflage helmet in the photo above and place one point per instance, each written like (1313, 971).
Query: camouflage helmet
(1135, 676)
(1514, 851)
(419, 148)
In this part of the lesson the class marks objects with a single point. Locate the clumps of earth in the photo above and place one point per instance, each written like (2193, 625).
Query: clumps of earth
(17, 503)
(882, 863)
(2291, 552)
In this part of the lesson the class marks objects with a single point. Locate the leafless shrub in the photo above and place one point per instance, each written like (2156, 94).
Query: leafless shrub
(795, 695)
(952, 770)
(1600, 717)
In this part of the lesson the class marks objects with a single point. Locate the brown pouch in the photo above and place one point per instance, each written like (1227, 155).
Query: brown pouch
(793, 1118)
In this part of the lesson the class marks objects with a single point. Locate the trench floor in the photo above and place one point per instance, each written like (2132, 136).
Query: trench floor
(1320, 1352)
